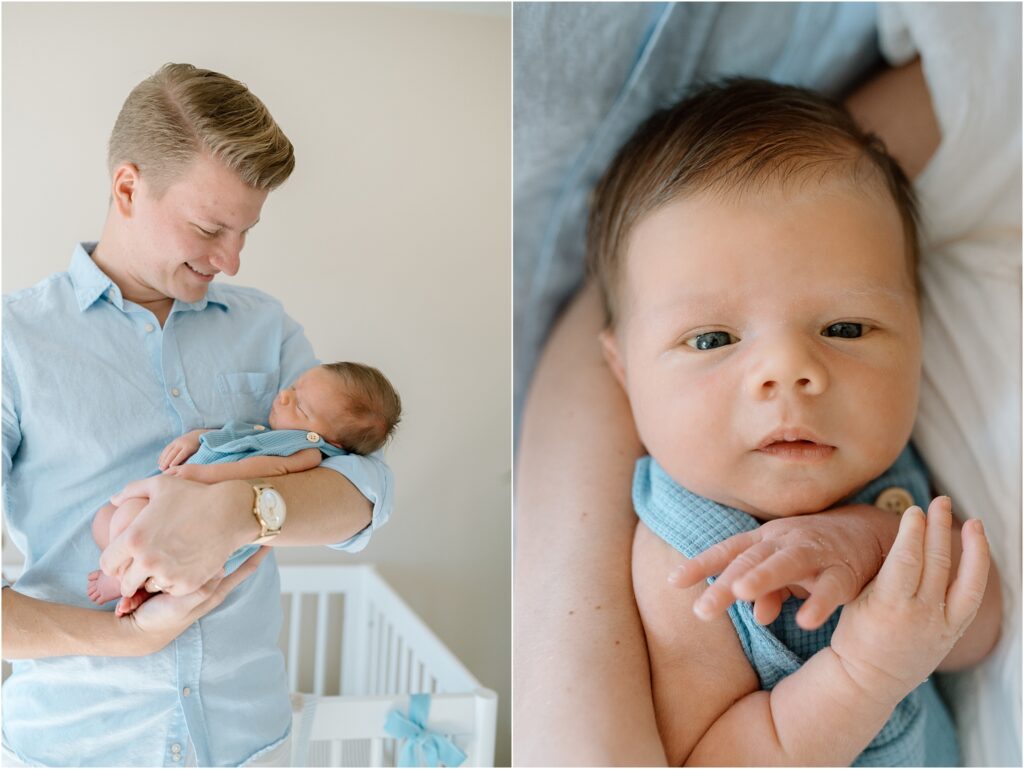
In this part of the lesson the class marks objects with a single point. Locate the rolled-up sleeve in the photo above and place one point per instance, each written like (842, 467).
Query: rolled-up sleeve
(11, 424)
(372, 477)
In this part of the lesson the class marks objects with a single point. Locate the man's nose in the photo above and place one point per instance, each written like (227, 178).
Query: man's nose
(227, 258)
(786, 363)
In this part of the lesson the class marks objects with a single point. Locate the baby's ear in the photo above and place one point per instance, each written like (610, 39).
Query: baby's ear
(610, 348)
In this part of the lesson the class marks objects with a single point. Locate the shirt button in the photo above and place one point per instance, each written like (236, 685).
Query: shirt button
(150, 328)
(312, 437)
(175, 748)
(894, 499)
(186, 691)
(175, 392)
(258, 428)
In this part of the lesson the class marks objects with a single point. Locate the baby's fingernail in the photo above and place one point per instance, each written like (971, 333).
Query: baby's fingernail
(675, 575)
(947, 503)
(980, 526)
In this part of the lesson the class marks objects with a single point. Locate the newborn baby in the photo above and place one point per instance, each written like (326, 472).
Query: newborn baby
(331, 409)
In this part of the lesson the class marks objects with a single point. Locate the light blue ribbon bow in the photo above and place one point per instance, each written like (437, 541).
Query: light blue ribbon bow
(422, 746)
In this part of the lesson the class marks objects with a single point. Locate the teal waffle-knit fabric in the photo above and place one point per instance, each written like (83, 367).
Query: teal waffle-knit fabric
(920, 731)
(240, 440)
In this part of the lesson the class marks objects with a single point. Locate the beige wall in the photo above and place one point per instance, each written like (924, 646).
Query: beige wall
(391, 243)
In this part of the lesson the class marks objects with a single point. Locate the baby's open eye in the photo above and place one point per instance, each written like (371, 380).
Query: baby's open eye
(709, 340)
(845, 330)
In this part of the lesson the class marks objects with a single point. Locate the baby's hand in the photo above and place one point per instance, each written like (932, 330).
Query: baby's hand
(179, 450)
(905, 622)
(831, 556)
(188, 472)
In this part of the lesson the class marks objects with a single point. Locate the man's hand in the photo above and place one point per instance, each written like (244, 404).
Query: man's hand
(164, 617)
(907, 620)
(183, 536)
(180, 449)
(831, 556)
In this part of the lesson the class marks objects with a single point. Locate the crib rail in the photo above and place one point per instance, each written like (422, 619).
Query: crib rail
(348, 731)
(384, 647)
(355, 645)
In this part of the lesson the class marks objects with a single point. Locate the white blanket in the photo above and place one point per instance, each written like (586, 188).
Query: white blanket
(970, 416)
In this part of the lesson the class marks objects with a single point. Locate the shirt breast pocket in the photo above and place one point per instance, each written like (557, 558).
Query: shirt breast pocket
(248, 395)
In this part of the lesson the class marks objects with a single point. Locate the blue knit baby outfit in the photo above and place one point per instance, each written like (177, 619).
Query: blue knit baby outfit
(240, 440)
(920, 731)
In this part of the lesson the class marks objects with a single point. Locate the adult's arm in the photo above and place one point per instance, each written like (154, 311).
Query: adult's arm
(583, 692)
(324, 507)
(34, 629)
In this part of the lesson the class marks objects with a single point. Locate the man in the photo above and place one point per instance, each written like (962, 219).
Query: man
(103, 366)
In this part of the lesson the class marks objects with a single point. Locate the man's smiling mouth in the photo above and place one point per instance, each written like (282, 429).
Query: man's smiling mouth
(200, 272)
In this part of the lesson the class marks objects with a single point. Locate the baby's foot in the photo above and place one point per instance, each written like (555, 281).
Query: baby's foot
(130, 603)
(102, 588)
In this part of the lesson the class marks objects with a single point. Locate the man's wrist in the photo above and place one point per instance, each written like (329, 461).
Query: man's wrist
(240, 504)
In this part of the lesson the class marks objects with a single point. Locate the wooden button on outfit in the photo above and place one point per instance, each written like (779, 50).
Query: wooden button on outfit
(894, 499)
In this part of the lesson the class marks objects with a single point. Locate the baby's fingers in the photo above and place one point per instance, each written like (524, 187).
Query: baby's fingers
(712, 561)
(789, 566)
(836, 585)
(719, 596)
(966, 593)
(901, 570)
(767, 607)
(937, 558)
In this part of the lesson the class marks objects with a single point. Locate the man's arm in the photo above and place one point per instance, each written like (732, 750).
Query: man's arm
(583, 694)
(34, 629)
(324, 507)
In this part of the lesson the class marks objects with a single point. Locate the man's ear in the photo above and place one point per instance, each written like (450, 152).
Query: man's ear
(124, 188)
(610, 348)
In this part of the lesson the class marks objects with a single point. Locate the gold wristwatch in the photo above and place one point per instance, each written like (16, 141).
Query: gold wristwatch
(270, 511)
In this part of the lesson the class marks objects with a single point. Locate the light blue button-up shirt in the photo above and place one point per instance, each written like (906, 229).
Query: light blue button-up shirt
(93, 389)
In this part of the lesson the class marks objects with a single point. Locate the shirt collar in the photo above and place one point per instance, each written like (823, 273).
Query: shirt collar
(91, 283)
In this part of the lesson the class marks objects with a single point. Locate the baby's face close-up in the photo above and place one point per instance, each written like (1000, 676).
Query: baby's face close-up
(769, 343)
(315, 402)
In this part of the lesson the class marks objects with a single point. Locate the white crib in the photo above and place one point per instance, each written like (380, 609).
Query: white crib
(355, 651)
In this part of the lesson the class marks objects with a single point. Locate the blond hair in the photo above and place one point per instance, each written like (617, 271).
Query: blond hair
(372, 408)
(182, 111)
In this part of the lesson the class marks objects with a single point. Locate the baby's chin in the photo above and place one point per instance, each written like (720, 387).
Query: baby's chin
(778, 500)
(789, 501)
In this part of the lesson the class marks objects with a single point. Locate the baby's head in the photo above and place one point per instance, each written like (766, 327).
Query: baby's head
(351, 406)
(756, 256)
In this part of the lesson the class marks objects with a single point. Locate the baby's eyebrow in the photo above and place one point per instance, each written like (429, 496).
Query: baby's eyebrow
(872, 291)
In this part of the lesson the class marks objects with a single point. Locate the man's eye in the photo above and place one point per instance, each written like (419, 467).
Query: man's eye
(709, 340)
(207, 233)
(845, 330)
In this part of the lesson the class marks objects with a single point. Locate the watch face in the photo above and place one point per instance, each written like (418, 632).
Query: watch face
(272, 508)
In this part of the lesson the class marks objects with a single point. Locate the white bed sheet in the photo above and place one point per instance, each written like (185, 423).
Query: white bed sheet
(969, 424)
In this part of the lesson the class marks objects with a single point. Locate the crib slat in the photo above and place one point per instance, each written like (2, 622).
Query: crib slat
(335, 753)
(369, 680)
(399, 664)
(294, 642)
(319, 665)
(377, 752)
